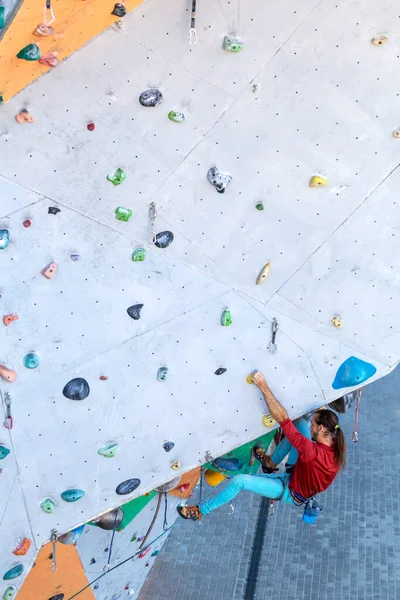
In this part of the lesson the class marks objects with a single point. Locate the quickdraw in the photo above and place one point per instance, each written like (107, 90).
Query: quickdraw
(152, 217)
(48, 7)
(8, 422)
(354, 437)
(53, 540)
(193, 39)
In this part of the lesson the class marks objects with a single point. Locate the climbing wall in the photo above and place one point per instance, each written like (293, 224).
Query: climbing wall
(116, 360)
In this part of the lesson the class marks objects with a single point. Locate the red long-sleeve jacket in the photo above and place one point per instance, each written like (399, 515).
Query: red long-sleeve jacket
(316, 466)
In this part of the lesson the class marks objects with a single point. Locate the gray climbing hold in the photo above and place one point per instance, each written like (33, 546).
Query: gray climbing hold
(220, 371)
(218, 179)
(151, 97)
(164, 239)
(127, 487)
(167, 487)
(76, 389)
(163, 373)
(108, 520)
(168, 446)
(134, 311)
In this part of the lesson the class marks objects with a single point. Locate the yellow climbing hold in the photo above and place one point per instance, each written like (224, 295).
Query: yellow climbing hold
(318, 181)
(337, 322)
(176, 465)
(396, 133)
(268, 421)
(249, 378)
(379, 40)
(213, 478)
(263, 275)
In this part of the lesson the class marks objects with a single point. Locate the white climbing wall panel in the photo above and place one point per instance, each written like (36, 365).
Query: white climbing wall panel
(309, 94)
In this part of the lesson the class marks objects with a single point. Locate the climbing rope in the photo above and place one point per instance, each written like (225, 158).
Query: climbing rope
(121, 563)
(354, 437)
(153, 521)
(107, 566)
(193, 39)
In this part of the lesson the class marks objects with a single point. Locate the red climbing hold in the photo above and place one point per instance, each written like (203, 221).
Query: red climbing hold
(22, 547)
(184, 488)
(91, 126)
(103, 377)
(143, 554)
(27, 223)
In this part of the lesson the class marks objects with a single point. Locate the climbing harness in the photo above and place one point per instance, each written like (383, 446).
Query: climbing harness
(106, 567)
(49, 8)
(193, 39)
(8, 422)
(354, 437)
(53, 539)
(152, 217)
(274, 328)
(212, 462)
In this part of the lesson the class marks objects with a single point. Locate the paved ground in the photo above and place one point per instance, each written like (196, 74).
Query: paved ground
(353, 552)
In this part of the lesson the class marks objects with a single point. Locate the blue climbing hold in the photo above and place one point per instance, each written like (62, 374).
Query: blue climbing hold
(353, 371)
(14, 572)
(4, 452)
(76, 389)
(228, 464)
(72, 536)
(72, 495)
(31, 360)
(168, 446)
(4, 238)
(164, 239)
(134, 311)
(127, 487)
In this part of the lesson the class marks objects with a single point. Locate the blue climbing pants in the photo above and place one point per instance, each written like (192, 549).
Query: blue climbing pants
(271, 486)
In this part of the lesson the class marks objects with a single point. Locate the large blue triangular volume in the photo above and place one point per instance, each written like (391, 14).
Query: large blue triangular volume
(353, 371)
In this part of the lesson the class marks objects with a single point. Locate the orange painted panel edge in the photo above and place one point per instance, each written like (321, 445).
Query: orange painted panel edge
(77, 22)
(70, 577)
(192, 478)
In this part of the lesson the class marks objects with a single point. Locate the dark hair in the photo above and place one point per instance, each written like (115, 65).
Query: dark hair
(329, 419)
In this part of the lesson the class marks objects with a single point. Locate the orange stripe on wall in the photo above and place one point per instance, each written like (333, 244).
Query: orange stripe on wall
(70, 577)
(77, 22)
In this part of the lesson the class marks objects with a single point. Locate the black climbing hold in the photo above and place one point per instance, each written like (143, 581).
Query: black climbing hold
(164, 239)
(57, 597)
(168, 446)
(228, 464)
(53, 210)
(119, 10)
(93, 561)
(134, 311)
(127, 487)
(108, 521)
(151, 97)
(220, 371)
(76, 389)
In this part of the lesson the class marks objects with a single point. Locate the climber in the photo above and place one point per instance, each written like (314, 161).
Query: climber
(315, 463)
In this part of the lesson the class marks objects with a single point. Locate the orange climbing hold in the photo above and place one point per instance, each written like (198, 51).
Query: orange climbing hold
(213, 478)
(7, 319)
(24, 117)
(22, 547)
(7, 374)
(50, 270)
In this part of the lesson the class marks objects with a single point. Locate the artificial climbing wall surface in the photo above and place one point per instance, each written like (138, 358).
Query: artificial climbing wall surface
(309, 94)
(76, 22)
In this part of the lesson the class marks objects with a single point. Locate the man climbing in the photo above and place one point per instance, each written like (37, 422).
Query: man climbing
(315, 463)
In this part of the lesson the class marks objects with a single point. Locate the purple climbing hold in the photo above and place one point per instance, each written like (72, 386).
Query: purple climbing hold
(164, 239)
(134, 311)
(76, 389)
(127, 487)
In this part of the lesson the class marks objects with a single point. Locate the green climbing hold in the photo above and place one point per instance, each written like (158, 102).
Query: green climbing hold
(232, 45)
(9, 593)
(14, 572)
(123, 214)
(176, 116)
(30, 52)
(226, 318)
(260, 206)
(48, 505)
(134, 538)
(108, 451)
(118, 177)
(139, 255)
(2, 16)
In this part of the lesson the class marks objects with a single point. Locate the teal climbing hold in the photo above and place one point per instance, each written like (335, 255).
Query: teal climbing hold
(226, 318)
(139, 255)
(30, 52)
(14, 572)
(4, 452)
(31, 360)
(351, 372)
(72, 495)
(72, 536)
(108, 451)
(9, 593)
(155, 553)
(2, 16)
(4, 238)
(48, 505)
(123, 214)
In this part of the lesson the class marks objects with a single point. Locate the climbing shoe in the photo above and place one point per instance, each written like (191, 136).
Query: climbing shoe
(191, 513)
(267, 465)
